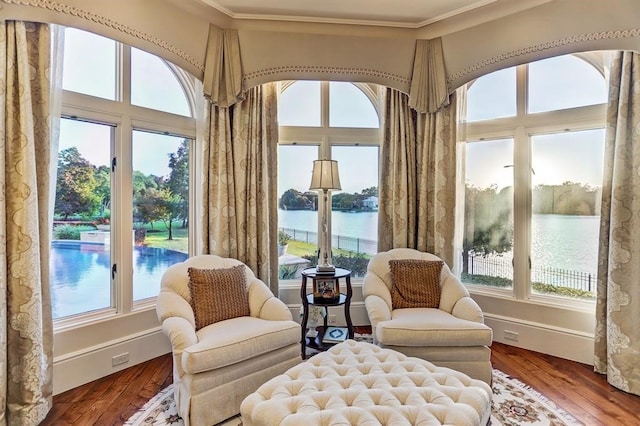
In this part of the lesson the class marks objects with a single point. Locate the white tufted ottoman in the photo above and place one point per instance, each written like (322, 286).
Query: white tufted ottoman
(357, 383)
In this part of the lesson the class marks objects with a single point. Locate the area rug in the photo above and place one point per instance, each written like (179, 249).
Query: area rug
(513, 404)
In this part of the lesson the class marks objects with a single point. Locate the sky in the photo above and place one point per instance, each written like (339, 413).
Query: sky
(300, 105)
(90, 68)
(555, 83)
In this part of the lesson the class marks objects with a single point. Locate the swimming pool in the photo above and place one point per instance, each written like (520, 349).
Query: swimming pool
(80, 275)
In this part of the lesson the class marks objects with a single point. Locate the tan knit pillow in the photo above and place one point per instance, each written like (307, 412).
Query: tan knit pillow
(218, 294)
(415, 283)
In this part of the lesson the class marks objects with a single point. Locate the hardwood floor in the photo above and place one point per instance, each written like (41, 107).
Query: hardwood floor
(573, 386)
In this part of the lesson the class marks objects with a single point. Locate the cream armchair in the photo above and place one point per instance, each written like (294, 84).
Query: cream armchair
(453, 335)
(217, 366)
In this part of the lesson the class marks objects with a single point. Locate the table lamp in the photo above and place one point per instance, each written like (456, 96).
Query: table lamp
(325, 178)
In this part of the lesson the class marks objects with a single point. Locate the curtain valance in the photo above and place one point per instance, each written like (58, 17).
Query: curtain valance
(223, 67)
(428, 91)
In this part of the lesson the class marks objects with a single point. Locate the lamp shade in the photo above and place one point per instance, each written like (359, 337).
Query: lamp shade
(325, 175)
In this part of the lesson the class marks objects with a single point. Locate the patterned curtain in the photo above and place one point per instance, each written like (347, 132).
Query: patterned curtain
(617, 340)
(240, 186)
(26, 330)
(417, 179)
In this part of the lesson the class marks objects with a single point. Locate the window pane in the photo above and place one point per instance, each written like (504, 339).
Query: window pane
(89, 64)
(566, 212)
(564, 82)
(488, 217)
(154, 85)
(297, 210)
(160, 208)
(354, 214)
(349, 107)
(80, 263)
(492, 96)
(299, 105)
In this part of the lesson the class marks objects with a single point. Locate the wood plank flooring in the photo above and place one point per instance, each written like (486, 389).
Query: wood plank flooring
(573, 386)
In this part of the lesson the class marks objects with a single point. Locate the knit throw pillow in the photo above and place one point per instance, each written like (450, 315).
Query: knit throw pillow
(415, 283)
(218, 294)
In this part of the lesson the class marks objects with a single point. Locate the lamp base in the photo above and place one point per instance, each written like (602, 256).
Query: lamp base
(325, 269)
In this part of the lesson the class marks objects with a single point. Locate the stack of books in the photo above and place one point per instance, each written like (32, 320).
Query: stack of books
(335, 335)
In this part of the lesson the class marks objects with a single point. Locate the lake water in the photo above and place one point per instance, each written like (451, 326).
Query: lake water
(559, 241)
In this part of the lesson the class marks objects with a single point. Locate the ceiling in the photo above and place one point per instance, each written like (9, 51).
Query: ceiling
(392, 13)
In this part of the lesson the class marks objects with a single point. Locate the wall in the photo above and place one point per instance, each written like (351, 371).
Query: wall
(177, 30)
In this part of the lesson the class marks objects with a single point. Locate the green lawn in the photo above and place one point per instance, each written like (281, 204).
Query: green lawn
(159, 237)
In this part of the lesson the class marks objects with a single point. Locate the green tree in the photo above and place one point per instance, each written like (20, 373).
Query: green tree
(103, 188)
(169, 207)
(570, 198)
(142, 182)
(293, 199)
(178, 181)
(75, 185)
(344, 201)
(488, 222)
(370, 192)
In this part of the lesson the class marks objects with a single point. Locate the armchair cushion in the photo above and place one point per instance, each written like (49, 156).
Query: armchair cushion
(236, 340)
(427, 327)
(218, 294)
(415, 283)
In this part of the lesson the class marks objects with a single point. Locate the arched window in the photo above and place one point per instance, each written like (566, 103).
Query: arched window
(533, 163)
(328, 120)
(121, 213)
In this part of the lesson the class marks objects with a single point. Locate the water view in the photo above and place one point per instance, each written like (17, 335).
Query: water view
(559, 241)
(80, 275)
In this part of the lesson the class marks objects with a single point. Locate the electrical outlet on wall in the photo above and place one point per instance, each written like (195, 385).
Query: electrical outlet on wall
(332, 319)
(511, 335)
(120, 359)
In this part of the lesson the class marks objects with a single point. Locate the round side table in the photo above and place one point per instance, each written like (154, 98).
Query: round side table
(326, 291)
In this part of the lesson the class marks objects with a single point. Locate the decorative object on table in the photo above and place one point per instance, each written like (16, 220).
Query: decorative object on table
(513, 403)
(316, 317)
(326, 290)
(335, 335)
(325, 178)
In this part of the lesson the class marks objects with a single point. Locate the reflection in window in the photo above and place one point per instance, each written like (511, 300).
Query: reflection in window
(556, 179)
(355, 208)
(343, 134)
(80, 258)
(154, 85)
(299, 105)
(160, 208)
(93, 155)
(566, 210)
(487, 247)
(89, 64)
(297, 209)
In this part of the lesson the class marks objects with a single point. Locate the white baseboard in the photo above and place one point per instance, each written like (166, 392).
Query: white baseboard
(76, 369)
(538, 337)
(562, 343)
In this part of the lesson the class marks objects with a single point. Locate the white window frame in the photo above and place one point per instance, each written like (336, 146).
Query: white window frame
(521, 128)
(125, 118)
(325, 137)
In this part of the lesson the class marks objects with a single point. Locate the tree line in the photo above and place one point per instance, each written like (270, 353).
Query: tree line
(488, 224)
(83, 190)
(293, 199)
